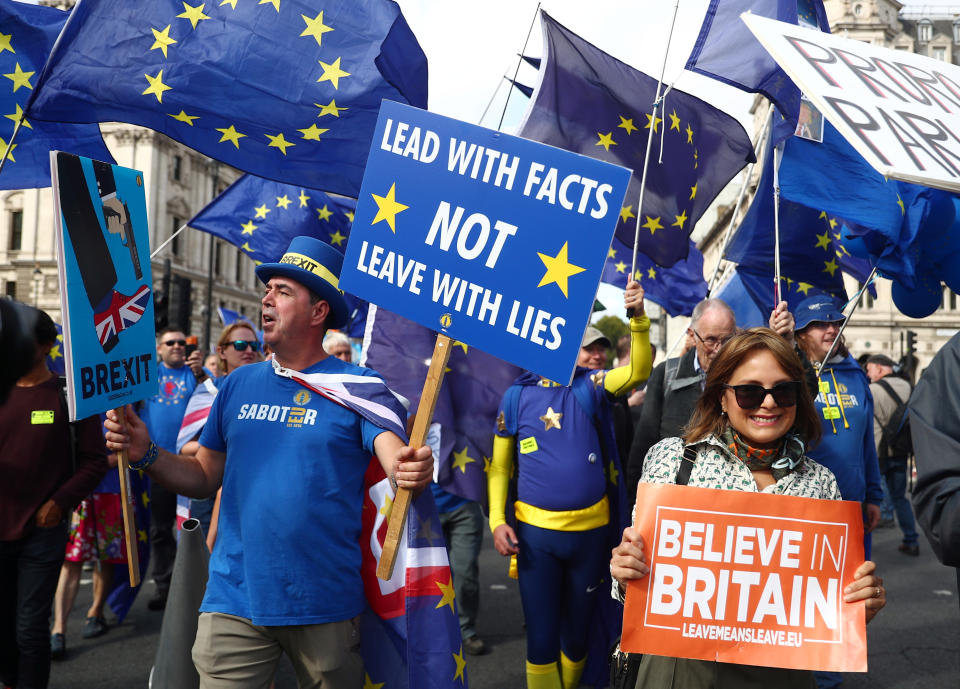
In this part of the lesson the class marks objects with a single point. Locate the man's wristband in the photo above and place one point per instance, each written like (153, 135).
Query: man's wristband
(151, 455)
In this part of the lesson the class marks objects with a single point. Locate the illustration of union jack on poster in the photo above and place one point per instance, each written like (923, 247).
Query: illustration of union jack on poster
(105, 285)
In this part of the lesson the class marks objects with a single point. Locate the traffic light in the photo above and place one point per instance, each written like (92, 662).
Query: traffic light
(911, 342)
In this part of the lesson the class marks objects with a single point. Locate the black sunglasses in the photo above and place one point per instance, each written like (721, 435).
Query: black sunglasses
(171, 343)
(752, 396)
(241, 345)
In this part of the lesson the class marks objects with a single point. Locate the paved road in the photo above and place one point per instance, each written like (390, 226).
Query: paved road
(913, 644)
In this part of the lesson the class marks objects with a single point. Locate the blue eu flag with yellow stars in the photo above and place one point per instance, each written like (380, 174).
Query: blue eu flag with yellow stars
(677, 289)
(27, 34)
(284, 89)
(593, 104)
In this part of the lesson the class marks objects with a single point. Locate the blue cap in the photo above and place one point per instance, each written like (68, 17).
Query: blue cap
(819, 309)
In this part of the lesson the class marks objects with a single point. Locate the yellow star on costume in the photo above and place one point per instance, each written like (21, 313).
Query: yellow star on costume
(315, 27)
(246, 247)
(17, 115)
(232, 3)
(613, 473)
(3, 146)
(674, 121)
(337, 238)
(279, 142)
(5, 43)
(283, 201)
(312, 133)
(248, 227)
(230, 134)
(20, 78)
(388, 207)
(162, 40)
(626, 124)
(461, 345)
(330, 108)
(804, 287)
(551, 419)
(461, 664)
(830, 267)
(693, 192)
(823, 241)
(194, 14)
(145, 499)
(304, 199)
(653, 224)
(142, 535)
(651, 273)
(626, 213)
(324, 213)
(156, 87)
(656, 123)
(387, 506)
(448, 595)
(332, 72)
(621, 267)
(689, 135)
(611, 253)
(681, 219)
(559, 269)
(606, 140)
(275, 3)
(184, 117)
(369, 684)
(462, 459)
(262, 212)
(903, 208)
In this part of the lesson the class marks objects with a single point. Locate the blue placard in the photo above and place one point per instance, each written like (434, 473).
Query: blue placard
(494, 240)
(105, 284)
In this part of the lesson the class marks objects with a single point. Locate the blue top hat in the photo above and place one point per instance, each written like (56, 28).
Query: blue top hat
(315, 265)
(818, 309)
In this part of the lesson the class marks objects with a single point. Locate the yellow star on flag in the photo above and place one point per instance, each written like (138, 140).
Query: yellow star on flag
(312, 133)
(551, 419)
(681, 219)
(17, 115)
(279, 142)
(611, 253)
(653, 224)
(833, 223)
(55, 351)
(461, 664)
(156, 87)
(804, 287)
(20, 78)
(462, 459)
(162, 40)
(145, 499)
(447, 597)
(275, 3)
(387, 506)
(330, 108)
(626, 213)
(613, 473)
(3, 145)
(369, 683)
(626, 124)
(337, 238)
(462, 345)
(349, 215)
(674, 121)
(621, 267)
(246, 247)
(332, 72)
(248, 227)
(559, 269)
(142, 535)
(315, 27)
(232, 3)
(324, 213)
(823, 241)
(903, 208)
(830, 267)
(693, 192)
(194, 14)
(304, 199)
(262, 211)
(184, 117)
(637, 275)
(5, 43)
(651, 273)
(606, 140)
(656, 123)
(230, 134)
(388, 207)
(689, 135)
(283, 202)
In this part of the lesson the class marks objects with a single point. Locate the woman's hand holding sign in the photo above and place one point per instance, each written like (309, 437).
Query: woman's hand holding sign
(628, 561)
(868, 587)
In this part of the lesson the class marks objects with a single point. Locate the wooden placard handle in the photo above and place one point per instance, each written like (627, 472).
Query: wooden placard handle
(129, 522)
(401, 503)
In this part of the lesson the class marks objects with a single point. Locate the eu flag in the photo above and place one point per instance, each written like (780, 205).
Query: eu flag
(677, 289)
(281, 88)
(27, 34)
(593, 104)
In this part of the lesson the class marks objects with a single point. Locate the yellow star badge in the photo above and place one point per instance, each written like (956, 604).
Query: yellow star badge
(279, 142)
(626, 124)
(462, 459)
(653, 224)
(606, 140)
(388, 207)
(283, 202)
(330, 108)
(230, 134)
(324, 213)
(184, 117)
(315, 27)
(194, 14)
(19, 78)
(337, 238)
(248, 227)
(156, 87)
(312, 133)
(262, 211)
(551, 419)
(448, 595)
(162, 40)
(626, 213)
(559, 269)
(332, 72)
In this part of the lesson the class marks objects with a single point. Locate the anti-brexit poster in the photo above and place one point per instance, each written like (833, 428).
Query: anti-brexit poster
(105, 284)
(748, 578)
(496, 241)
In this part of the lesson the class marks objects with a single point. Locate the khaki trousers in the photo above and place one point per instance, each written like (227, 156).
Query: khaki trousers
(232, 652)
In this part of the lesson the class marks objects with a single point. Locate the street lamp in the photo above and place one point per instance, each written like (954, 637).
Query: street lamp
(37, 279)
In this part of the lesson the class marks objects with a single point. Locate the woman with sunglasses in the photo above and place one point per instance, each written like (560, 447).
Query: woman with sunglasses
(750, 429)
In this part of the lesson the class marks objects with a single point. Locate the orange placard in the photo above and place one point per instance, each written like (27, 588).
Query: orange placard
(747, 578)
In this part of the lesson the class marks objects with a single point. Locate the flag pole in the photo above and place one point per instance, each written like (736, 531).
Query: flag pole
(856, 303)
(169, 239)
(126, 508)
(421, 423)
(776, 225)
(653, 125)
(517, 70)
(16, 130)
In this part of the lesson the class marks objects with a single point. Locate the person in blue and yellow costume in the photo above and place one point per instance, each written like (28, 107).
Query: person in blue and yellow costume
(569, 491)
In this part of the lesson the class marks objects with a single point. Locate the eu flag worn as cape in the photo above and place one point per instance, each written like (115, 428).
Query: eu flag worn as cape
(593, 104)
(27, 34)
(284, 89)
(677, 289)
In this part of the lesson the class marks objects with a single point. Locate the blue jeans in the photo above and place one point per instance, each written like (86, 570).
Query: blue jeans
(29, 571)
(896, 479)
(463, 531)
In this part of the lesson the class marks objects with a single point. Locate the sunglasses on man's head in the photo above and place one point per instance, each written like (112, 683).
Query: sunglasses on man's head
(172, 343)
(752, 396)
(241, 345)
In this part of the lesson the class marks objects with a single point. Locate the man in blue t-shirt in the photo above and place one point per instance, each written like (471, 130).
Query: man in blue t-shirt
(285, 570)
(163, 414)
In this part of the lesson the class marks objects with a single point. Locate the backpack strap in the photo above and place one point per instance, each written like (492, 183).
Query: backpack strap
(686, 466)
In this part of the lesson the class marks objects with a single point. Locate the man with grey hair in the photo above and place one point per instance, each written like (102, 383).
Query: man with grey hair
(337, 344)
(676, 383)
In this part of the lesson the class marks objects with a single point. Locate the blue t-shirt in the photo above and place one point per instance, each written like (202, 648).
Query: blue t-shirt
(163, 413)
(288, 539)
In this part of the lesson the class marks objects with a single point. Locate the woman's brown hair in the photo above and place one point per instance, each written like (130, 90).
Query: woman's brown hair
(708, 415)
(226, 337)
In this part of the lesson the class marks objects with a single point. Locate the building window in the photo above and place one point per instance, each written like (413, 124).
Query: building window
(177, 167)
(866, 299)
(16, 230)
(956, 31)
(939, 54)
(216, 257)
(924, 31)
(175, 244)
(953, 300)
(857, 10)
(238, 270)
(10, 289)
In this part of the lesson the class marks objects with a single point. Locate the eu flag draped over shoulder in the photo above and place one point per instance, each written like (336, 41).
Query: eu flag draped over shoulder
(677, 289)
(280, 88)
(27, 34)
(593, 104)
